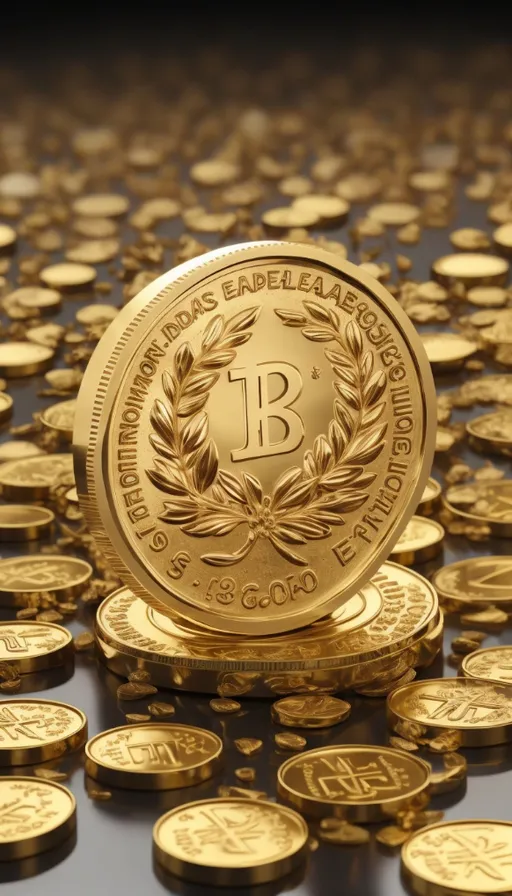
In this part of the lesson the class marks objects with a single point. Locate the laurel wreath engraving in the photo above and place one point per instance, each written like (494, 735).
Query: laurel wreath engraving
(305, 502)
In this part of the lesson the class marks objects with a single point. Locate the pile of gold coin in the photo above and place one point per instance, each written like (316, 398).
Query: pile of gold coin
(227, 503)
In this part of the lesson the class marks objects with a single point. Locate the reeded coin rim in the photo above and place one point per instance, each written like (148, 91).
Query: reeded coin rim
(98, 395)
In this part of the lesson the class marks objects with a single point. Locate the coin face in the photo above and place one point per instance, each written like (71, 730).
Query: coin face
(393, 613)
(476, 582)
(310, 711)
(60, 417)
(35, 816)
(230, 841)
(153, 756)
(492, 432)
(23, 522)
(32, 478)
(267, 519)
(30, 646)
(457, 857)
(421, 540)
(24, 577)
(357, 782)
(490, 664)
(36, 730)
(489, 503)
(479, 710)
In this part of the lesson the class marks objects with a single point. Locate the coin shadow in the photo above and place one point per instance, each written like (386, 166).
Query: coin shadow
(182, 887)
(45, 680)
(450, 798)
(149, 802)
(487, 760)
(24, 868)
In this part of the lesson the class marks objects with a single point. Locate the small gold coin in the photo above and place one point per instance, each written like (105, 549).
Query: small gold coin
(470, 239)
(331, 210)
(6, 406)
(503, 238)
(33, 731)
(37, 298)
(23, 578)
(394, 214)
(421, 540)
(287, 217)
(95, 228)
(19, 185)
(490, 664)
(14, 450)
(23, 522)
(35, 816)
(32, 478)
(230, 842)
(33, 646)
(94, 251)
(480, 712)
(360, 783)
(486, 503)
(471, 269)
(454, 858)
(213, 172)
(310, 712)
(492, 433)
(8, 238)
(60, 418)
(487, 296)
(96, 314)
(101, 205)
(476, 583)
(357, 187)
(68, 275)
(447, 351)
(153, 756)
(431, 498)
(434, 181)
(24, 358)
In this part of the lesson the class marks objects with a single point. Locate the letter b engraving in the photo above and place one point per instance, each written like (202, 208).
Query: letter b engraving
(260, 409)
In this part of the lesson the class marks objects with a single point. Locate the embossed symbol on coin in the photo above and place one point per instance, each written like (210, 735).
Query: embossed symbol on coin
(490, 664)
(31, 812)
(36, 730)
(22, 578)
(476, 582)
(30, 646)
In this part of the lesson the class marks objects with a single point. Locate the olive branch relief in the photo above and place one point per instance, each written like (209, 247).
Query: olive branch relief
(305, 502)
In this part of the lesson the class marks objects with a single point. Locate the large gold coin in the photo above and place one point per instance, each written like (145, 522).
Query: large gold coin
(489, 664)
(32, 646)
(153, 756)
(230, 842)
(32, 478)
(477, 583)
(37, 730)
(357, 782)
(25, 578)
(458, 857)
(393, 623)
(34, 816)
(479, 711)
(252, 434)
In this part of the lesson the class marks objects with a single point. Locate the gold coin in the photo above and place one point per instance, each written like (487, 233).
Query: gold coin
(487, 296)
(431, 498)
(254, 514)
(429, 181)
(331, 210)
(492, 433)
(34, 731)
(22, 578)
(6, 406)
(470, 239)
(360, 783)
(476, 583)
(19, 185)
(486, 503)
(454, 858)
(94, 251)
(502, 237)
(310, 711)
(33, 646)
(389, 623)
(60, 418)
(95, 228)
(357, 187)
(471, 269)
(23, 522)
(213, 172)
(421, 540)
(32, 478)
(101, 205)
(447, 351)
(490, 664)
(479, 711)
(230, 842)
(68, 275)
(287, 217)
(8, 237)
(14, 450)
(35, 816)
(37, 298)
(24, 358)
(153, 756)
(394, 214)
(96, 314)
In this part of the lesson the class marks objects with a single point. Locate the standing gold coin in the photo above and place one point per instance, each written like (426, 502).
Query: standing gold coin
(490, 664)
(60, 418)
(23, 522)
(32, 478)
(476, 583)
(24, 358)
(32, 646)
(36, 730)
(484, 503)
(421, 540)
(310, 711)
(458, 857)
(230, 842)
(480, 712)
(35, 816)
(430, 499)
(288, 504)
(25, 578)
(357, 782)
(153, 756)
(492, 433)
(6, 406)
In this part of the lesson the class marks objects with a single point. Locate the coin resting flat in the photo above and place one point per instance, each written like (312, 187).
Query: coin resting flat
(34, 816)
(490, 664)
(32, 646)
(267, 516)
(477, 583)
(37, 730)
(24, 578)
